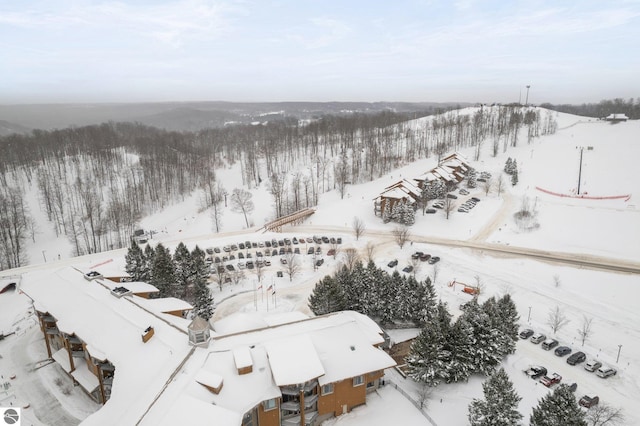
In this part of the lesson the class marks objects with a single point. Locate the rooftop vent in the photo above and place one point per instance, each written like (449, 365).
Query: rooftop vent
(120, 291)
(93, 275)
(148, 334)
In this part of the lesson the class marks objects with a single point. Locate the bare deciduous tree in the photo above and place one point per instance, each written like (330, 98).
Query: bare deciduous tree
(500, 184)
(292, 266)
(241, 202)
(449, 205)
(604, 415)
(350, 258)
(336, 249)
(556, 319)
(486, 186)
(585, 329)
(556, 280)
(401, 235)
(236, 276)
(358, 227)
(259, 269)
(370, 250)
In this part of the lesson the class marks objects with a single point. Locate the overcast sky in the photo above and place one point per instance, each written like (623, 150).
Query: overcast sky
(318, 50)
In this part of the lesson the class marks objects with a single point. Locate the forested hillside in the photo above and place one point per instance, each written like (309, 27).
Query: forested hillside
(96, 182)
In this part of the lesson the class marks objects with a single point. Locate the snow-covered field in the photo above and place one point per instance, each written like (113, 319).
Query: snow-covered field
(607, 228)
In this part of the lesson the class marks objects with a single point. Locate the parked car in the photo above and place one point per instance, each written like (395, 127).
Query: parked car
(576, 358)
(310, 250)
(226, 248)
(250, 264)
(339, 240)
(526, 333)
(267, 243)
(549, 344)
(407, 269)
(425, 257)
(605, 372)
(240, 255)
(592, 365)
(452, 196)
(331, 252)
(476, 199)
(393, 263)
(589, 401)
(438, 205)
(463, 210)
(325, 240)
(463, 191)
(549, 381)
(241, 246)
(537, 338)
(241, 265)
(230, 267)
(434, 260)
(267, 262)
(416, 255)
(234, 247)
(294, 240)
(535, 371)
(562, 350)
(296, 250)
(319, 262)
(573, 386)
(209, 250)
(283, 260)
(430, 211)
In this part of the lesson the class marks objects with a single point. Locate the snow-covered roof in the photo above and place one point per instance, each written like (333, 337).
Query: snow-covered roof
(187, 410)
(616, 117)
(293, 360)
(406, 186)
(108, 267)
(164, 304)
(242, 357)
(136, 287)
(291, 353)
(112, 329)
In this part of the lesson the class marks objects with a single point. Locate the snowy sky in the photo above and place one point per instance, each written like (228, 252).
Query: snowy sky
(279, 50)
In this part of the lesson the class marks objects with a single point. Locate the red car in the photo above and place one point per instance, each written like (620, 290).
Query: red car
(550, 381)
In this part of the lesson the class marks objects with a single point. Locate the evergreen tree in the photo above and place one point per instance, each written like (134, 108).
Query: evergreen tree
(145, 272)
(162, 271)
(500, 404)
(558, 408)
(182, 261)
(472, 179)
(461, 345)
(486, 339)
(508, 166)
(427, 358)
(136, 263)
(349, 288)
(326, 297)
(408, 214)
(508, 322)
(386, 213)
(198, 277)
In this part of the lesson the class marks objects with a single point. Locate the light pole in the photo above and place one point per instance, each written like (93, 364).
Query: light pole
(529, 317)
(619, 349)
(43, 256)
(526, 102)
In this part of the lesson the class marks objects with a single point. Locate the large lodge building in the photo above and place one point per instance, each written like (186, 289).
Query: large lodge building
(149, 365)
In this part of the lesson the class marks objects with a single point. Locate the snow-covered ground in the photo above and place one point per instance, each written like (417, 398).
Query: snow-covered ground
(607, 228)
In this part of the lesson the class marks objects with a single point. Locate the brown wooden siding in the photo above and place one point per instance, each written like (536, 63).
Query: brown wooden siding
(270, 417)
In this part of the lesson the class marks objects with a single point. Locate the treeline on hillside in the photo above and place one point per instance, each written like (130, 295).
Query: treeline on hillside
(96, 182)
(630, 107)
(183, 275)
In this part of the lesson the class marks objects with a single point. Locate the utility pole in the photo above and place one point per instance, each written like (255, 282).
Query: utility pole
(526, 102)
(580, 169)
(619, 349)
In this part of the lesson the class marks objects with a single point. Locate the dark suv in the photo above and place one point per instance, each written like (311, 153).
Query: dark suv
(576, 358)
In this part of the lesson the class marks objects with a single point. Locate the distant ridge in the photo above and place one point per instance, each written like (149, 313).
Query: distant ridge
(7, 128)
(192, 116)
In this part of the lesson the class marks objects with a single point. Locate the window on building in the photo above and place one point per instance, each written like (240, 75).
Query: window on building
(327, 389)
(357, 381)
(269, 404)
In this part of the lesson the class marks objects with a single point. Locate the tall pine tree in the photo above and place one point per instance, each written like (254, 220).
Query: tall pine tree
(558, 408)
(500, 404)
(427, 357)
(326, 297)
(182, 262)
(163, 271)
(135, 262)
